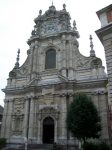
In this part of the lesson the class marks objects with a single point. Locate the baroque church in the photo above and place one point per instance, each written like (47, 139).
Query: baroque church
(38, 93)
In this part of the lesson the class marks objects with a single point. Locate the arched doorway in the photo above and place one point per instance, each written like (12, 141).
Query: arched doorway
(48, 130)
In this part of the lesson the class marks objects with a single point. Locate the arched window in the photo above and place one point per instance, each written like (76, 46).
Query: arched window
(50, 60)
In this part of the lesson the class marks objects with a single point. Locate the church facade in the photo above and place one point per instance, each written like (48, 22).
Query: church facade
(38, 93)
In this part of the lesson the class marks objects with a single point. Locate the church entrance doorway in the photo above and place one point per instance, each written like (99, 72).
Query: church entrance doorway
(48, 130)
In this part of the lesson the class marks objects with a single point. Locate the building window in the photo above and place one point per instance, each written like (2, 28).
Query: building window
(109, 16)
(50, 60)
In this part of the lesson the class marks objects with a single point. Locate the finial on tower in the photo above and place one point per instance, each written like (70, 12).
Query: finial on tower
(52, 2)
(92, 52)
(74, 25)
(17, 60)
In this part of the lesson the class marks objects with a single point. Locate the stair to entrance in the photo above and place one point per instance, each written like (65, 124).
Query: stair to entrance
(34, 147)
(40, 147)
(43, 147)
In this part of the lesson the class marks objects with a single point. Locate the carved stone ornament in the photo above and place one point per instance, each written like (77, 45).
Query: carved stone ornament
(12, 74)
(48, 111)
(96, 63)
(18, 106)
(52, 21)
(82, 62)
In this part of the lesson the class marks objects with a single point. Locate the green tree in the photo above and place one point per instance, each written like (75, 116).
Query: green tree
(83, 120)
(2, 142)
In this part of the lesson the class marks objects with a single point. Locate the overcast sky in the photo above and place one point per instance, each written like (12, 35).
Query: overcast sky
(16, 24)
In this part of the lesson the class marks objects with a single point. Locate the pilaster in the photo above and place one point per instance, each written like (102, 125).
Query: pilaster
(35, 59)
(71, 55)
(55, 131)
(63, 53)
(31, 119)
(26, 113)
(63, 118)
(31, 58)
(5, 113)
(9, 118)
(39, 139)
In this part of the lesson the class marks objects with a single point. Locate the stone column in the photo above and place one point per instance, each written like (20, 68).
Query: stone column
(9, 119)
(64, 54)
(39, 132)
(25, 122)
(31, 119)
(39, 59)
(31, 58)
(71, 55)
(35, 118)
(63, 118)
(63, 57)
(37, 62)
(56, 130)
(71, 71)
(58, 59)
(42, 60)
(35, 57)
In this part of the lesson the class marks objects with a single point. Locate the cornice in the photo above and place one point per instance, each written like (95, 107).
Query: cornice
(53, 36)
(104, 31)
(64, 85)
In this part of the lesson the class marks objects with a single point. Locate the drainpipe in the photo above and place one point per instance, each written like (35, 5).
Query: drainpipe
(67, 106)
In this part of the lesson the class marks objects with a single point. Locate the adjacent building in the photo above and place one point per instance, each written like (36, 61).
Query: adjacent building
(105, 36)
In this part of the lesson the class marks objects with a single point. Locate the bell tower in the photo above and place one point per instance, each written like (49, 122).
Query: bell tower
(53, 38)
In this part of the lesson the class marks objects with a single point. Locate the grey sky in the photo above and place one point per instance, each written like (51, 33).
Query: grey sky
(16, 24)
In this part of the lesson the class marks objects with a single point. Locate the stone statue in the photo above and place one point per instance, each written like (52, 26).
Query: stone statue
(74, 25)
(64, 7)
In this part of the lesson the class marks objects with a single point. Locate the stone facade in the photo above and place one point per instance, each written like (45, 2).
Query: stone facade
(37, 95)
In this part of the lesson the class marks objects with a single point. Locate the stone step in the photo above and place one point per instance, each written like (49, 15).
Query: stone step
(47, 146)
(44, 147)
(34, 147)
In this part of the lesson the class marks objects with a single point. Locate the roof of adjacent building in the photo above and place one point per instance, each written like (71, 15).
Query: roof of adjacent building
(105, 9)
